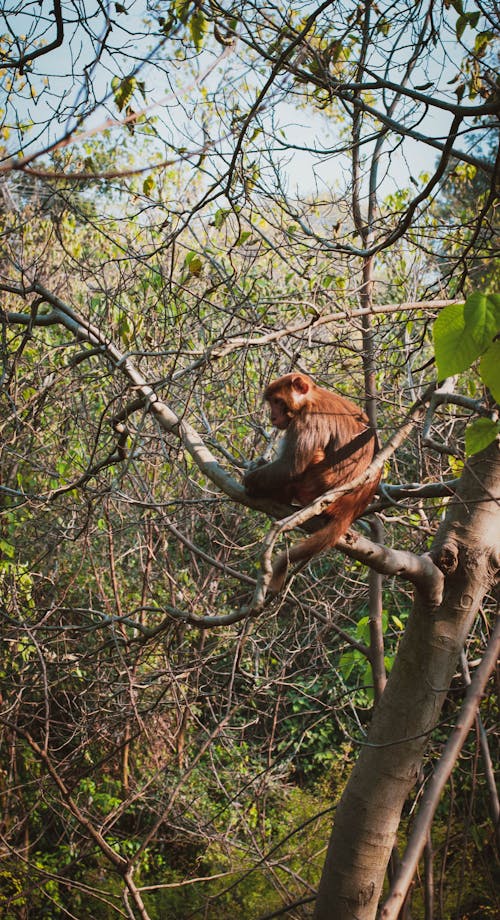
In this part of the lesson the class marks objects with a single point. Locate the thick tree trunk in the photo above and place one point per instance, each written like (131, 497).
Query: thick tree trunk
(467, 548)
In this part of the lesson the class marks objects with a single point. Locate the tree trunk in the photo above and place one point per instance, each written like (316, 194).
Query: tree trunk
(467, 548)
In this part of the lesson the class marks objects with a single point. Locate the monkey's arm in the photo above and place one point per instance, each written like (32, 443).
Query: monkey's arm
(308, 445)
(270, 480)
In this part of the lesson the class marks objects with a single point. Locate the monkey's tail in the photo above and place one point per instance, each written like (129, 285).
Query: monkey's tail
(304, 551)
(343, 512)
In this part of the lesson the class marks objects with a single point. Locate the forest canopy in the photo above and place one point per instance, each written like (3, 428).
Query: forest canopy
(197, 198)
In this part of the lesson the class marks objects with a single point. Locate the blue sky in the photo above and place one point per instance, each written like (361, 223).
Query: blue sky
(51, 108)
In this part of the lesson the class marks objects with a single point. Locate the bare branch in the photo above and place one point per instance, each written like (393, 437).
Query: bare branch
(26, 59)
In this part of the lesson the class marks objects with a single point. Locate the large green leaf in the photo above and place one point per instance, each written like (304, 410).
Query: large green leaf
(482, 318)
(479, 434)
(123, 90)
(489, 369)
(463, 332)
(454, 346)
(198, 27)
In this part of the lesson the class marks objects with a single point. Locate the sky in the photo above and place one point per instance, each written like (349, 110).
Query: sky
(51, 107)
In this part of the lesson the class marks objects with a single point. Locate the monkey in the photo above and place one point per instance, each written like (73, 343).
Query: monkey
(328, 442)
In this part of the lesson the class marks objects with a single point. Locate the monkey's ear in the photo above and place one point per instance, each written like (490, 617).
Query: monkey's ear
(301, 384)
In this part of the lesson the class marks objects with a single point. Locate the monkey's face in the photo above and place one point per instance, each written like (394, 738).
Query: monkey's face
(280, 416)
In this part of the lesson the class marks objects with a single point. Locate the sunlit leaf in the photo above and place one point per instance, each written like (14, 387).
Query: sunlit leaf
(480, 434)
(195, 266)
(483, 39)
(489, 369)
(182, 8)
(461, 26)
(123, 90)
(198, 28)
(463, 332)
(482, 318)
(220, 217)
(243, 237)
(454, 347)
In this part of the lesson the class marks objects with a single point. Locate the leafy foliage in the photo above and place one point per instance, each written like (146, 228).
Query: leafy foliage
(202, 236)
(462, 334)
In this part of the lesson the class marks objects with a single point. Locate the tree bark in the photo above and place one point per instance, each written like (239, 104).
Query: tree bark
(429, 802)
(467, 549)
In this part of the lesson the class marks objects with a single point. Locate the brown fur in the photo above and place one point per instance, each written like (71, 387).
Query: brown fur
(328, 443)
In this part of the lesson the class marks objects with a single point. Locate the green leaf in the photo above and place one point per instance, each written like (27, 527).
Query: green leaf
(479, 434)
(483, 39)
(456, 465)
(123, 90)
(383, 26)
(474, 18)
(454, 347)
(367, 681)
(466, 19)
(195, 266)
(347, 662)
(464, 332)
(6, 549)
(363, 630)
(220, 217)
(182, 9)
(198, 28)
(124, 328)
(482, 318)
(489, 369)
(243, 237)
(461, 25)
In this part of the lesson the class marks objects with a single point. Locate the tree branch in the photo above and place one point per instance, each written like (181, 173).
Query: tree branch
(28, 58)
(420, 572)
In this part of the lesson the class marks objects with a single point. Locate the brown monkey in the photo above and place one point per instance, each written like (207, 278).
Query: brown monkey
(328, 443)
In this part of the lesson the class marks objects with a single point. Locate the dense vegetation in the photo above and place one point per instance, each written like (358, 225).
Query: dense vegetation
(221, 195)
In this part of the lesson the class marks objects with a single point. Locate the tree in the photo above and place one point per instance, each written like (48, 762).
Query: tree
(170, 271)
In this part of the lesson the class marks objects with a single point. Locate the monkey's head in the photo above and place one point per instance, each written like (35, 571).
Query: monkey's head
(286, 397)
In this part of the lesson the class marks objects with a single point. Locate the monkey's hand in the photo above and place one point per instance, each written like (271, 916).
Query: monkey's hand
(251, 478)
(254, 465)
